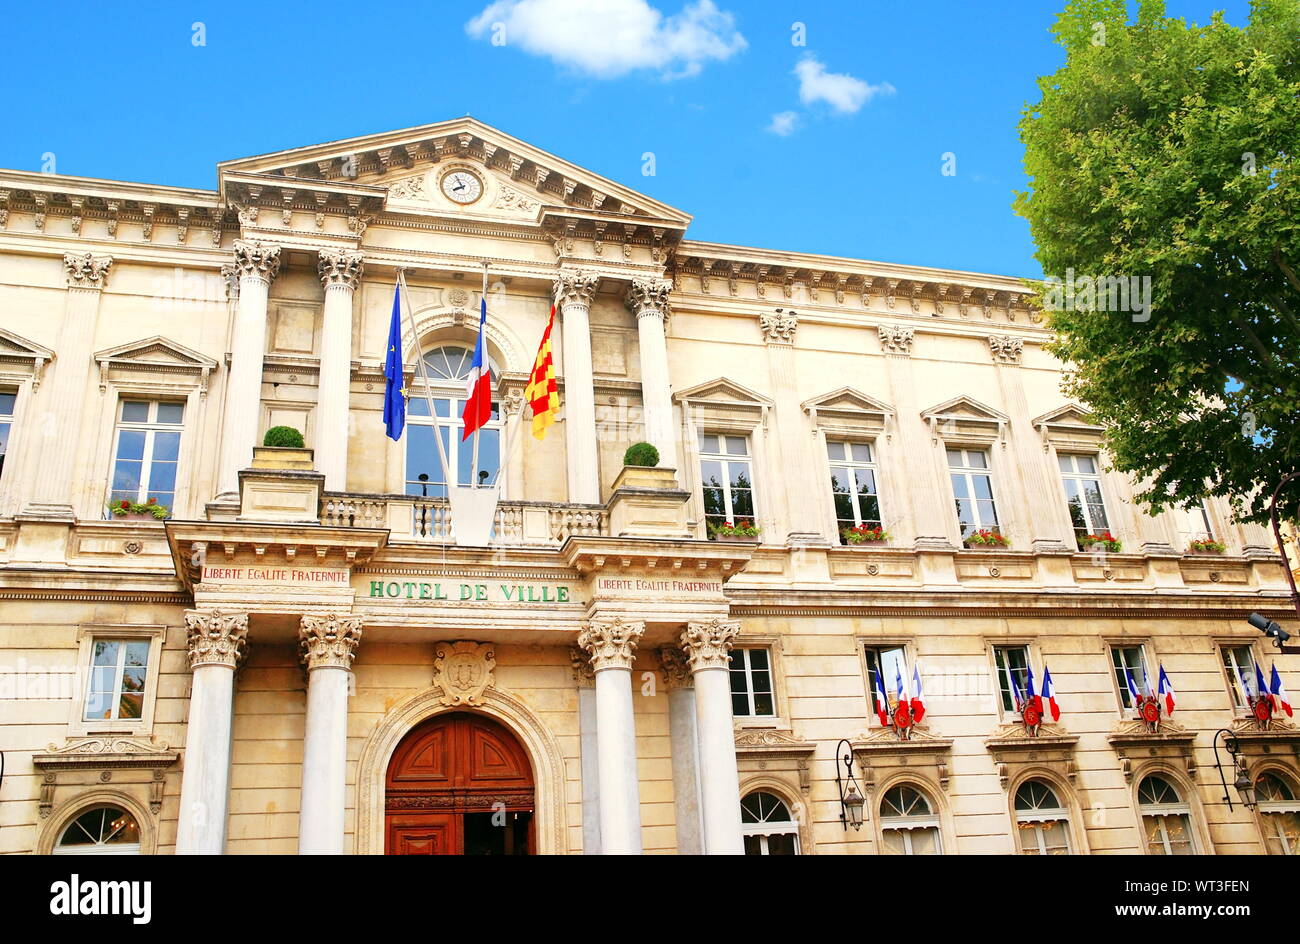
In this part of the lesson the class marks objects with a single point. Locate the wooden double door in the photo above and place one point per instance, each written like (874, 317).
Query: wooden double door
(459, 784)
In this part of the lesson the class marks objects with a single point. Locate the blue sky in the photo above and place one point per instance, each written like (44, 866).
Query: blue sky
(884, 91)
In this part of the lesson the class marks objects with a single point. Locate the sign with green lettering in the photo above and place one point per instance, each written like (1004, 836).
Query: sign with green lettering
(442, 591)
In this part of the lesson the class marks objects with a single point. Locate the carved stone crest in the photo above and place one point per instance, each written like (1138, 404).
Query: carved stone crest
(778, 326)
(1005, 348)
(895, 340)
(464, 671)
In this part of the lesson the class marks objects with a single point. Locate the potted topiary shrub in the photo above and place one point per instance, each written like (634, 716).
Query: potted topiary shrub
(642, 455)
(282, 448)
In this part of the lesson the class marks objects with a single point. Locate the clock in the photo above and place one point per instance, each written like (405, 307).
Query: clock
(461, 186)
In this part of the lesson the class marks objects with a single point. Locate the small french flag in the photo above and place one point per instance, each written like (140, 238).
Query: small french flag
(1278, 691)
(1167, 692)
(1014, 686)
(478, 384)
(1132, 686)
(882, 702)
(1261, 686)
(1049, 692)
(1034, 700)
(918, 694)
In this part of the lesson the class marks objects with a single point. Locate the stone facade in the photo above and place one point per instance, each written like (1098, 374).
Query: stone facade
(154, 331)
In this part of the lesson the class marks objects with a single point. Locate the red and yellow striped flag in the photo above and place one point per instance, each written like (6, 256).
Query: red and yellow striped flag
(541, 391)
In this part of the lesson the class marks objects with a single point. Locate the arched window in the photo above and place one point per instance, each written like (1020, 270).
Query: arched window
(101, 830)
(1042, 823)
(768, 827)
(1279, 814)
(908, 823)
(1166, 818)
(448, 370)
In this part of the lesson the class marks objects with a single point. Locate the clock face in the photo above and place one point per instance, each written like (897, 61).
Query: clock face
(461, 186)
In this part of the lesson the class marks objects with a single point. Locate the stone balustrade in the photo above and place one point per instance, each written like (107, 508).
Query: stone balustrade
(520, 523)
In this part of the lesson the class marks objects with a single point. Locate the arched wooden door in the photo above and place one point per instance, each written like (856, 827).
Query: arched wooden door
(459, 784)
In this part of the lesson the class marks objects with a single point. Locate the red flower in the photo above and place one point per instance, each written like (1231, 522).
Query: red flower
(152, 501)
(124, 504)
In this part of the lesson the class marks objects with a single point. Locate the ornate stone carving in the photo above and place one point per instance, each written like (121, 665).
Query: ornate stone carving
(583, 673)
(464, 671)
(648, 298)
(255, 260)
(328, 641)
(1005, 348)
(778, 326)
(340, 267)
(511, 199)
(410, 188)
(215, 637)
(86, 270)
(708, 644)
(895, 340)
(676, 667)
(611, 642)
(576, 287)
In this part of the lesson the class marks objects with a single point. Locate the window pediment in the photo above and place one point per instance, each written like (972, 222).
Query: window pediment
(965, 420)
(725, 403)
(19, 356)
(850, 410)
(156, 355)
(1067, 427)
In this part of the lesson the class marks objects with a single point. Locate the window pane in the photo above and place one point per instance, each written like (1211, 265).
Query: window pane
(739, 474)
(835, 450)
(983, 486)
(711, 473)
(171, 412)
(162, 477)
(737, 446)
(7, 402)
(106, 652)
(166, 446)
(959, 486)
(839, 479)
(977, 460)
(130, 444)
(861, 452)
(709, 444)
(134, 411)
(742, 504)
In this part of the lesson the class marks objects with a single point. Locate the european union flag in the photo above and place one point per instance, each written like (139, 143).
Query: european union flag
(394, 393)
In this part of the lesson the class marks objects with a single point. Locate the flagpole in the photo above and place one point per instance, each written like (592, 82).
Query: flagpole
(424, 379)
(478, 432)
(508, 437)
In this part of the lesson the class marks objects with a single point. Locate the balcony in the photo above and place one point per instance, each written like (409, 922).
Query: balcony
(518, 523)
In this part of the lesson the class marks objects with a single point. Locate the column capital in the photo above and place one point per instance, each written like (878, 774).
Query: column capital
(328, 642)
(676, 667)
(648, 298)
(86, 270)
(340, 267)
(576, 287)
(778, 326)
(254, 260)
(707, 644)
(583, 674)
(611, 642)
(216, 637)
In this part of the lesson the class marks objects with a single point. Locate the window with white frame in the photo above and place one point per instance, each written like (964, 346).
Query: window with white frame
(1194, 523)
(119, 670)
(767, 825)
(1082, 479)
(1042, 822)
(448, 369)
(146, 452)
(1239, 664)
(1166, 818)
(1011, 663)
(886, 664)
(727, 478)
(908, 823)
(972, 488)
(1279, 814)
(101, 830)
(1129, 661)
(8, 401)
(751, 684)
(854, 486)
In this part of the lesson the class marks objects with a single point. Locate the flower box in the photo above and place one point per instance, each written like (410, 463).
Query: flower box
(856, 537)
(1108, 542)
(741, 532)
(736, 538)
(1210, 548)
(986, 540)
(139, 511)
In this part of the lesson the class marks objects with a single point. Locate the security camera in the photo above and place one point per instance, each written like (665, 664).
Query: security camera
(1268, 628)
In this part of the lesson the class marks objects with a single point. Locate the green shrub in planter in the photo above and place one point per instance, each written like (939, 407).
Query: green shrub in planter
(641, 454)
(283, 437)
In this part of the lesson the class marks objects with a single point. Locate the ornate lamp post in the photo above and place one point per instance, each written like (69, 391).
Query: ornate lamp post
(851, 799)
(1243, 784)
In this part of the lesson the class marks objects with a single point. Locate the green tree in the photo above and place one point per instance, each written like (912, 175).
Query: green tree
(1169, 151)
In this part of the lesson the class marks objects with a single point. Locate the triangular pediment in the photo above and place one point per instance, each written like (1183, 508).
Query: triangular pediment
(964, 408)
(1071, 415)
(14, 345)
(723, 391)
(848, 400)
(157, 352)
(409, 164)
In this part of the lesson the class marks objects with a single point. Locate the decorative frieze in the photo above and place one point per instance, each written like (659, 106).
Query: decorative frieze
(611, 642)
(647, 298)
(778, 326)
(254, 260)
(708, 644)
(86, 270)
(328, 641)
(894, 340)
(464, 671)
(340, 267)
(1005, 348)
(215, 637)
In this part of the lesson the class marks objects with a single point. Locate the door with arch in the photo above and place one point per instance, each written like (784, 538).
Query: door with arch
(459, 784)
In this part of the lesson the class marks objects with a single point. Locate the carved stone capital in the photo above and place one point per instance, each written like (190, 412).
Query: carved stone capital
(676, 667)
(708, 644)
(648, 298)
(1005, 348)
(583, 673)
(216, 638)
(85, 270)
(895, 340)
(329, 642)
(575, 287)
(611, 642)
(340, 267)
(778, 326)
(256, 260)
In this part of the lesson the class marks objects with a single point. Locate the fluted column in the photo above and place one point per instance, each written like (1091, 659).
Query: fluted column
(576, 290)
(707, 646)
(328, 646)
(648, 301)
(217, 642)
(611, 643)
(340, 272)
(65, 395)
(256, 266)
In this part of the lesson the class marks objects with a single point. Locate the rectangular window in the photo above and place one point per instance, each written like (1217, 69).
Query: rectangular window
(118, 671)
(972, 487)
(146, 451)
(1011, 662)
(888, 664)
(853, 486)
(751, 684)
(1239, 663)
(1126, 661)
(8, 400)
(424, 475)
(727, 478)
(1194, 522)
(1083, 495)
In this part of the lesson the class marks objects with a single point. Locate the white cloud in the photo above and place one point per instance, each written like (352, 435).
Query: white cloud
(783, 123)
(610, 38)
(840, 90)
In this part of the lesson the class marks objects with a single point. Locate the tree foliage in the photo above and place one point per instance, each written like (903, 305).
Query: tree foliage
(1169, 150)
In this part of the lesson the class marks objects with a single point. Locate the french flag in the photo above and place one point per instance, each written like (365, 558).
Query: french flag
(1049, 692)
(1033, 697)
(882, 702)
(918, 694)
(1132, 686)
(903, 697)
(1015, 687)
(1261, 686)
(478, 385)
(1278, 691)
(1167, 692)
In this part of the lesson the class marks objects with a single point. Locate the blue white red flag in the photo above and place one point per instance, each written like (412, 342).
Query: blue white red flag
(478, 385)
(1014, 687)
(1261, 686)
(1049, 692)
(882, 702)
(1030, 694)
(918, 694)
(1167, 692)
(1132, 685)
(1278, 691)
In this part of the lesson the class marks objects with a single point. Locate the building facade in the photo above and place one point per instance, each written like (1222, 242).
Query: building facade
(211, 646)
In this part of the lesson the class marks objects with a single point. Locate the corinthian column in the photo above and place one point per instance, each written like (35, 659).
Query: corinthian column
(611, 643)
(256, 266)
(340, 271)
(707, 646)
(576, 290)
(648, 300)
(328, 645)
(216, 644)
(65, 395)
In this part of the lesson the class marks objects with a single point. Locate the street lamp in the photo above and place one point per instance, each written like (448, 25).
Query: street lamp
(1243, 783)
(851, 800)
